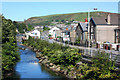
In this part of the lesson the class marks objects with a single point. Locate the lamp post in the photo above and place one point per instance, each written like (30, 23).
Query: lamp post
(89, 26)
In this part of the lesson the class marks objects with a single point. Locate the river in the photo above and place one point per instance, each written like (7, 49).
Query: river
(28, 67)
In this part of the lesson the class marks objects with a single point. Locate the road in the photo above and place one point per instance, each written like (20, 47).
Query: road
(44, 36)
(86, 51)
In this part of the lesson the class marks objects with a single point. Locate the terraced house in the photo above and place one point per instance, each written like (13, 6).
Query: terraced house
(81, 32)
(104, 29)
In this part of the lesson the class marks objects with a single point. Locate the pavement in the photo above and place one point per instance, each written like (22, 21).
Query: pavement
(45, 37)
(87, 51)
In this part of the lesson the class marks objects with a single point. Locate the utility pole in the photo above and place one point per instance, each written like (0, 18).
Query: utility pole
(89, 26)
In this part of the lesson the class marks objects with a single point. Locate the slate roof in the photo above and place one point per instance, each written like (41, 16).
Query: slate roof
(102, 20)
(84, 26)
(81, 24)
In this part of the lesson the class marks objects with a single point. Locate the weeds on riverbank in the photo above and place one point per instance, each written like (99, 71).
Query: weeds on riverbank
(58, 54)
(101, 68)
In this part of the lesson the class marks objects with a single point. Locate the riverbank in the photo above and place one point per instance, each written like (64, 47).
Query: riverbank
(44, 60)
(29, 66)
(66, 60)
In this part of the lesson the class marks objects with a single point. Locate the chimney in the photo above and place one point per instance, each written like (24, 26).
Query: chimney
(108, 18)
(67, 29)
(86, 20)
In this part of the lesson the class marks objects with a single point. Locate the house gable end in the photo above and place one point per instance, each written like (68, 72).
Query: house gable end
(92, 21)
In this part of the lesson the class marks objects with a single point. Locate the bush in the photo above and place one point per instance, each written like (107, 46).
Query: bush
(102, 68)
(10, 55)
(58, 54)
(66, 57)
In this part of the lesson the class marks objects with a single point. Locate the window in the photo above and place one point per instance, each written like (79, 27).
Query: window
(91, 29)
(35, 33)
(106, 20)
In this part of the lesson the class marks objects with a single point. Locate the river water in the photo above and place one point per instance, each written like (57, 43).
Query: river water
(28, 67)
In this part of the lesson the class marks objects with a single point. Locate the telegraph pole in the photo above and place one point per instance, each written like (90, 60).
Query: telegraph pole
(89, 26)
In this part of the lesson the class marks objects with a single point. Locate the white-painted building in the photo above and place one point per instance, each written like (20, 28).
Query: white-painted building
(34, 34)
(36, 27)
(53, 32)
(65, 36)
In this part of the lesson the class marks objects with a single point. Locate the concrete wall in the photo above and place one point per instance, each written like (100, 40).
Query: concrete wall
(105, 33)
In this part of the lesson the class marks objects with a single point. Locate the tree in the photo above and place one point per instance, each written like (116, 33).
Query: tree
(20, 26)
(29, 28)
(63, 20)
(46, 28)
(10, 56)
(56, 20)
(78, 40)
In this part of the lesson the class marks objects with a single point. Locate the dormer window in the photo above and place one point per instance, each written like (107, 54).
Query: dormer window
(106, 20)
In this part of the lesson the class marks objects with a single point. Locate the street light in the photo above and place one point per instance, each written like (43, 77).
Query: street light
(89, 26)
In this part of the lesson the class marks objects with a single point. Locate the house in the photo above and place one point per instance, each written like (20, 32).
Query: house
(54, 32)
(104, 29)
(51, 27)
(65, 35)
(81, 32)
(39, 28)
(76, 21)
(73, 34)
(34, 34)
(60, 25)
(117, 35)
(36, 27)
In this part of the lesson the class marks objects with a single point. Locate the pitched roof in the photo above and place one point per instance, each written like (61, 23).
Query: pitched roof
(67, 29)
(84, 26)
(64, 31)
(103, 19)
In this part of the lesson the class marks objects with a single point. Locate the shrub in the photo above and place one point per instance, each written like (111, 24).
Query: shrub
(58, 54)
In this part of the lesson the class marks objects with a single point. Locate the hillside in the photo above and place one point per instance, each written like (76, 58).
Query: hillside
(46, 20)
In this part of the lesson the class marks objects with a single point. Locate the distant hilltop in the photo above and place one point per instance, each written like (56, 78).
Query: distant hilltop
(46, 20)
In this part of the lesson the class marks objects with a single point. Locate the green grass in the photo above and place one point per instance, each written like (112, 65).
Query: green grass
(72, 16)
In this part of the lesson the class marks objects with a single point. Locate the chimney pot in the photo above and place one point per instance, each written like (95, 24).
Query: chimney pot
(108, 19)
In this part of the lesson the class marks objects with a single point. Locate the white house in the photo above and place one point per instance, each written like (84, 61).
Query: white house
(36, 27)
(65, 35)
(53, 32)
(66, 38)
(34, 34)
